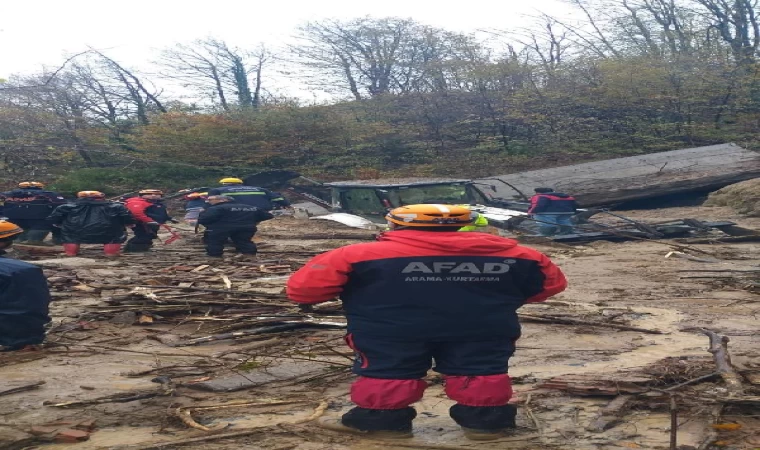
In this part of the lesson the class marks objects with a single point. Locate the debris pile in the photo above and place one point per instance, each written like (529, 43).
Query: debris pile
(744, 197)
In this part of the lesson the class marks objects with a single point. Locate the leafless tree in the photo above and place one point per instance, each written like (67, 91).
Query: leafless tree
(372, 57)
(736, 23)
(218, 71)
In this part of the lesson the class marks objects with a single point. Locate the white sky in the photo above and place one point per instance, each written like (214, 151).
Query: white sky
(41, 33)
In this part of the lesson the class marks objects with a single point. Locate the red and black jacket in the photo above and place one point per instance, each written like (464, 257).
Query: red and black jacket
(433, 286)
(552, 203)
(145, 210)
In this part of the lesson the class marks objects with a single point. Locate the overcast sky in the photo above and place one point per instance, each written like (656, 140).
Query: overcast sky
(41, 33)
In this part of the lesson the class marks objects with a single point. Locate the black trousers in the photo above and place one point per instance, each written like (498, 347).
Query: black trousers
(241, 238)
(143, 239)
(34, 229)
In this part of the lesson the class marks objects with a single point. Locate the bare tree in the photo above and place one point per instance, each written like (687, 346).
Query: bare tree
(218, 71)
(373, 57)
(737, 24)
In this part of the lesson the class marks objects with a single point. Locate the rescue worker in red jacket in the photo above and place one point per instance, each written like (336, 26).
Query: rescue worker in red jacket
(150, 213)
(553, 211)
(426, 292)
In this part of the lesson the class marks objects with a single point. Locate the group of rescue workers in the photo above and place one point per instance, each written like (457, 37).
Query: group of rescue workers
(423, 295)
(231, 211)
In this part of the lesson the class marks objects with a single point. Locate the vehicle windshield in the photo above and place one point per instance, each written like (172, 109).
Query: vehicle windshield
(361, 201)
(450, 194)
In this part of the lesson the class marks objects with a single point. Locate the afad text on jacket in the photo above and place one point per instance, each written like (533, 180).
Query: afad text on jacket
(419, 285)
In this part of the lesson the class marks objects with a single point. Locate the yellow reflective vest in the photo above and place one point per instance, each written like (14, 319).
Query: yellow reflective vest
(480, 223)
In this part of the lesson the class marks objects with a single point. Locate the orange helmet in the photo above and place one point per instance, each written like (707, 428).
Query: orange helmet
(151, 192)
(194, 195)
(8, 229)
(430, 216)
(90, 194)
(28, 184)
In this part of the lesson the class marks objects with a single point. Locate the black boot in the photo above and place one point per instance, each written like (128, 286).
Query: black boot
(482, 423)
(387, 423)
(131, 247)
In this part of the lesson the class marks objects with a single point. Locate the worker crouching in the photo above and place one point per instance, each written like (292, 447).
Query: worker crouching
(226, 219)
(425, 292)
(91, 219)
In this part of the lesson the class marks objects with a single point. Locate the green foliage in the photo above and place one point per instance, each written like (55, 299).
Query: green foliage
(113, 181)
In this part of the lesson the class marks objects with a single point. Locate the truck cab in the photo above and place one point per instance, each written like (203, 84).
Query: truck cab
(375, 197)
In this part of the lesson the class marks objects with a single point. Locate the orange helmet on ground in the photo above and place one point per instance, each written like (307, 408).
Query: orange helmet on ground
(430, 216)
(90, 194)
(151, 192)
(28, 184)
(8, 229)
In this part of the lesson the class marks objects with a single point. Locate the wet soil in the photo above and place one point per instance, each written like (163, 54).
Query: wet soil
(630, 283)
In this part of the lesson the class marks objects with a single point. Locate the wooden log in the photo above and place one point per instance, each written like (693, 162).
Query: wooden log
(24, 388)
(610, 414)
(219, 291)
(722, 240)
(726, 370)
(567, 321)
(642, 176)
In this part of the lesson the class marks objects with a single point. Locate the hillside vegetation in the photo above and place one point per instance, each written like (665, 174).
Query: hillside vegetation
(410, 100)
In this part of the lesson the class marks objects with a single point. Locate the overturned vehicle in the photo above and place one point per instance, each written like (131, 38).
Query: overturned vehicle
(364, 203)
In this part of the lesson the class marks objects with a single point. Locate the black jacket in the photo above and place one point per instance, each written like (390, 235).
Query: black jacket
(24, 300)
(252, 196)
(88, 221)
(30, 204)
(232, 216)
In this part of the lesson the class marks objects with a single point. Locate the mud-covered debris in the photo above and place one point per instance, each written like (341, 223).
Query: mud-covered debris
(124, 318)
(591, 386)
(26, 386)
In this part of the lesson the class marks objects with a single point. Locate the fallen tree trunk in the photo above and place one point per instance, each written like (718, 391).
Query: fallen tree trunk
(638, 177)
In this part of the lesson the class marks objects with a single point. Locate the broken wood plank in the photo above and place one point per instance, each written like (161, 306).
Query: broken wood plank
(610, 414)
(227, 282)
(722, 240)
(220, 291)
(118, 398)
(200, 268)
(237, 334)
(22, 388)
(691, 258)
(567, 321)
(585, 386)
(726, 370)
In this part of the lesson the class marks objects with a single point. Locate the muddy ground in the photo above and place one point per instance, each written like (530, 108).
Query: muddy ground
(287, 384)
